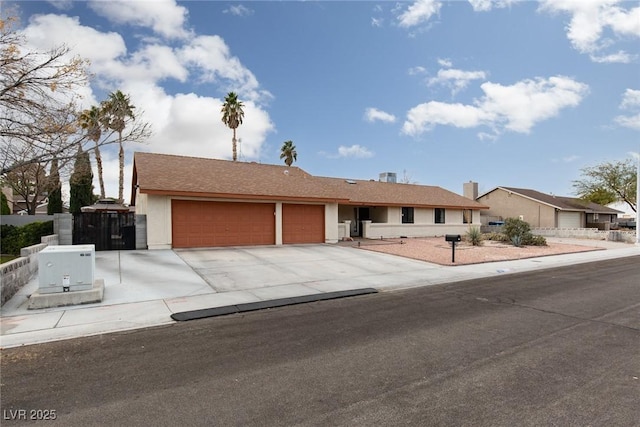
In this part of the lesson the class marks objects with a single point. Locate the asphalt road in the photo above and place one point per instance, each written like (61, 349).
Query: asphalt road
(557, 347)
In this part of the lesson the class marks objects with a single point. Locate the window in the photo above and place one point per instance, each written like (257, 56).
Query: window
(439, 216)
(467, 216)
(407, 215)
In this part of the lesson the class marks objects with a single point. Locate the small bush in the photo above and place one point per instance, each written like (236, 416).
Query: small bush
(474, 236)
(516, 227)
(496, 237)
(531, 240)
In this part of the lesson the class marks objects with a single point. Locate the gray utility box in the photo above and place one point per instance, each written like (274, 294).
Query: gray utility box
(66, 268)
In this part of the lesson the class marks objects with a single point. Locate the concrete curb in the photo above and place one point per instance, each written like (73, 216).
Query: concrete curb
(261, 305)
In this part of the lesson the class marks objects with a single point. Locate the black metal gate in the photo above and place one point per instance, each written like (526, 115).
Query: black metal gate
(108, 231)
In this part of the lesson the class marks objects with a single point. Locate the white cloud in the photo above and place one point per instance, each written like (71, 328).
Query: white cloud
(418, 12)
(444, 62)
(631, 122)
(413, 71)
(590, 19)
(238, 10)
(424, 117)
(487, 5)
(456, 79)
(182, 123)
(357, 151)
(630, 99)
(630, 102)
(515, 108)
(373, 114)
(165, 17)
(376, 22)
(212, 56)
(620, 57)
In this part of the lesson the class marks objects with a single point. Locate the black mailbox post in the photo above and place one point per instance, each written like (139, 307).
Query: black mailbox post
(453, 238)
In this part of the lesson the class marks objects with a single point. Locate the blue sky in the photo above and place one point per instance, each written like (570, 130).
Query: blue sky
(520, 94)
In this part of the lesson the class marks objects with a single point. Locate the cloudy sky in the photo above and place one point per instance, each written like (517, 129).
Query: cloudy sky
(520, 94)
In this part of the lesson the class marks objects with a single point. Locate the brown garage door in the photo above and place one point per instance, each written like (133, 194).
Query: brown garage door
(302, 223)
(197, 224)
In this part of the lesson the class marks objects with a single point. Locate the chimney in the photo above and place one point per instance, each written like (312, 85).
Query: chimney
(388, 177)
(470, 190)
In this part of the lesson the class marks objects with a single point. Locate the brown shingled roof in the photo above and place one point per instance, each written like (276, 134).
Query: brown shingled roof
(193, 176)
(563, 203)
(376, 193)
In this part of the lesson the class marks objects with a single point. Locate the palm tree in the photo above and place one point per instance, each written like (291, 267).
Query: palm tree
(91, 121)
(288, 153)
(232, 115)
(116, 111)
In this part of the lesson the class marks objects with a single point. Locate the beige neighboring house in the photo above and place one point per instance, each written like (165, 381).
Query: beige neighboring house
(544, 210)
(196, 202)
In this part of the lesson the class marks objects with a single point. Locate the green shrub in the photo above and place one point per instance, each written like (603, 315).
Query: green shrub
(474, 236)
(516, 227)
(15, 238)
(531, 240)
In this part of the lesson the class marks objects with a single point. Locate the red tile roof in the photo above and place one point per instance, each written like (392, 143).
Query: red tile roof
(199, 177)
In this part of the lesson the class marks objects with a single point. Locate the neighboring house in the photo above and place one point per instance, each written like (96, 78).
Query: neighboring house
(624, 208)
(20, 205)
(544, 210)
(196, 202)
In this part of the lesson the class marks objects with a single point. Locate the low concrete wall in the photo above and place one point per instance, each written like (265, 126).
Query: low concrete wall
(372, 230)
(574, 233)
(18, 272)
(586, 233)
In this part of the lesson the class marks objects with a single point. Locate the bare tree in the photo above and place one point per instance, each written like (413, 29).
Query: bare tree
(38, 100)
(30, 182)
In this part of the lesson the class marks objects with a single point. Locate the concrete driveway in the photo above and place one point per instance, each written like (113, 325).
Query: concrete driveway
(318, 268)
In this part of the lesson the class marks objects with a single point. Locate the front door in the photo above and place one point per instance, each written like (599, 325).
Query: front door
(362, 214)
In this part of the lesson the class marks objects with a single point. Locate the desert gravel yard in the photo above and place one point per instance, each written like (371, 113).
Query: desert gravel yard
(437, 251)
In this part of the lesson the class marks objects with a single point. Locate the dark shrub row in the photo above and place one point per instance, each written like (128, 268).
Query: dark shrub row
(14, 238)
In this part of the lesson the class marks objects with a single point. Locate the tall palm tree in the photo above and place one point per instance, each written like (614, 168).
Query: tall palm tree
(116, 111)
(232, 115)
(288, 153)
(91, 122)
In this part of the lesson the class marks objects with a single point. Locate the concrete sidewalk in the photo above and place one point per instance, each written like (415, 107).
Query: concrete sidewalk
(144, 288)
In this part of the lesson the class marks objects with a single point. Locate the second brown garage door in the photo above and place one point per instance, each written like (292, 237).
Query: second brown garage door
(302, 223)
(197, 224)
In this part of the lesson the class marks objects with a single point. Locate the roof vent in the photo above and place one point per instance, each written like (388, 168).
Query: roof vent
(388, 177)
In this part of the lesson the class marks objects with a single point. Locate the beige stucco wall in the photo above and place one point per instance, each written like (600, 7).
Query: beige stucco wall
(158, 211)
(510, 205)
(331, 223)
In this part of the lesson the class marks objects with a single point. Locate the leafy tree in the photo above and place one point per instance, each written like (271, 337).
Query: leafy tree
(39, 93)
(117, 110)
(28, 181)
(232, 116)
(609, 182)
(81, 183)
(55, 189)
(4, 205)
(288, 153)
(91, 121)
